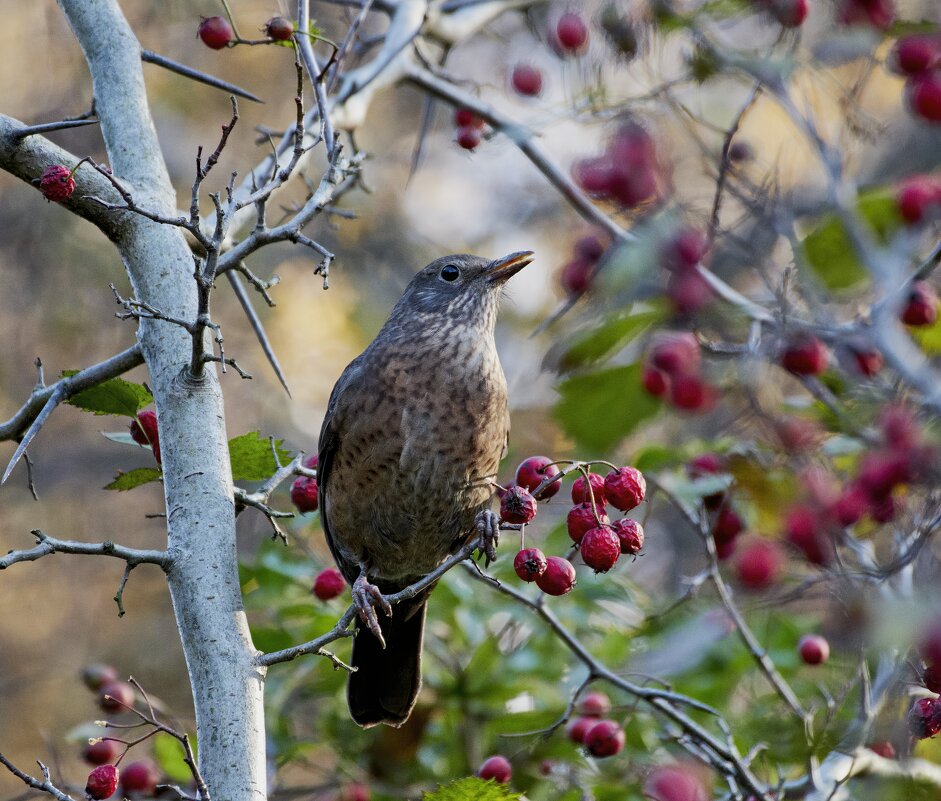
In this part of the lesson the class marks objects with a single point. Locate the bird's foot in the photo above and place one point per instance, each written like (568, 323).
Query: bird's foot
(487, 524)
(366, 597)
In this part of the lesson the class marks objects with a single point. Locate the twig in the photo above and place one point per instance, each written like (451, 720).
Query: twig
(188, 72)
(49, 127)
(49, 545)
(45, 785)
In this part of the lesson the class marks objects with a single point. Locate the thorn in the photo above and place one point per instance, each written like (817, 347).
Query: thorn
(48, 127)
(188, 72)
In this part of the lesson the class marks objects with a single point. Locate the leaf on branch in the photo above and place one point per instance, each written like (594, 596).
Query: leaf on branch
(252, 458)
(601, 408)
(134, 478)
(614, 333)
(168, 753)
(114, 396)
(471, 789)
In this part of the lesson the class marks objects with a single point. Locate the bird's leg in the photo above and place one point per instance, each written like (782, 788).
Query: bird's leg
(487, 524)
(366, 597)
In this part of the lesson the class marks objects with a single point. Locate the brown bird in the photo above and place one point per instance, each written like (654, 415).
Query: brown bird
(410, 445)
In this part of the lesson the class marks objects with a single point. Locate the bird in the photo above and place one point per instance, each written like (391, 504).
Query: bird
(411, 441)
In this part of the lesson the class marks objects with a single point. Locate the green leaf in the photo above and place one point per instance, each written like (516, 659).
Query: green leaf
(828, 249)
(252, 458)
(472, 789)
(615, 332)
(114, 396)
(928, 337)
(134, 478)
(601, 408)
(168, 753)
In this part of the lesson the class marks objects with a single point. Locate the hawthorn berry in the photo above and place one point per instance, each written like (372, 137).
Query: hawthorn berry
(533, 471)
(915, 54)
(590, 247)
(877, 13)
(883, 748)
(216, 32)
(594, 705)
(305, 494)
(706, 464)
(728, 525)
(924, 718)
(558, 577)
(311, 461)
(803, 528)
(580, 493)
(691, 393)
(929, 644)
(576, 276)
(655, 382)
(97, 675)
(631, 535)
(883, 510)
(850, 506)
(497, 768)
(530, 564)
(924, 96)
(917, 197)
(604, 739)
(625, 488)
(465, 118)
(143, 430)
(517, 506)
(101, 752)
(116, 696)
(578, 728)
(931, 677)
(594, 175)
(684, 250)
(56, 183)
(527, 80)
(789, 13)
(740, 151)
(673, 783)
(813, 649)
(922, 306)
(758, 564)
(688, 293)
(102, 782)
(140, 778)
(571, 32)
(805, 355)
(582, 517)
(468, 137)
(675, 352)
(354, 791)
(899, 427)
(868, 360)
(279, 29)
(601, 548)
(329, 584)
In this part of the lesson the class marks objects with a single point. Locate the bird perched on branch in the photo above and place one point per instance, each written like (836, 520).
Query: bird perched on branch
(414, 431)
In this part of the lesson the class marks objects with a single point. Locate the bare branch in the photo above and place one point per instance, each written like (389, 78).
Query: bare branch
(45, 785)
(49, 545)
(188, 72)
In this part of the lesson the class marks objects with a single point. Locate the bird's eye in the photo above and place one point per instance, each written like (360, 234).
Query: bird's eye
(450, 273)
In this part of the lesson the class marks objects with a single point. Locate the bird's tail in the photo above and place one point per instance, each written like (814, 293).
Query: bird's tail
(386, 682)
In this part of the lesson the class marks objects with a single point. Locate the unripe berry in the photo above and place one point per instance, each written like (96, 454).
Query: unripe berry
(580, 493)
(497, 768)
(56, 183)
(594, 705)
(101, 752)
(468, 137)
(922, 306)
(97, 675)
(625, 488)
(631, 535)
(924, 718)
(582, 517)
(924, 96)
(571, 32)
(533, 471)
(758, 564)
(558, 578)
(578, 728)
(931, 678)
(813, 649)
(527, 80)
(601, 548)
(465, 118)
(279, 29)
(805, 355)
(604, 739)
(102, 782)
(140, 778)
(216, 32)
(305, 494)
(675, 353)
(530, 564)
(116, 696)
(576, 276)
(329, 584)
(517, 506)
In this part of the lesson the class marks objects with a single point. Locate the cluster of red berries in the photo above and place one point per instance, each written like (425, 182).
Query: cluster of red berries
(629, 172)
(924, 717)
(577, 274)
(137, 779)
(601, 737)
(672, 370)
(144, 432)
(918, 58)
(788, 13)
(469, 128)
(680, 256)
(217, 32)
(305, 494)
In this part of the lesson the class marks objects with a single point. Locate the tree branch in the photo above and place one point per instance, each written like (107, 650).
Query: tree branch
(50, 545)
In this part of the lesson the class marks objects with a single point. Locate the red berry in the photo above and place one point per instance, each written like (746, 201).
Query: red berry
(601, 548)
(140, 778)
(580, 493)
(673, 783)
(497, 768)
(102, 782)
(915, 54)
(758, 564)
(143, 431)
(883, 510)
(578, 728)
(899, 427)
(465, 118)
(922, 306)
(216, 32)
(868, 360)
(625, 488)
(727, 526)
(924, 718)
(917, 197)
(675, 353)
(594, 175)
(688, 292)
(850, 506)
(530, 564)
(706, 464)
(655, 382)
(690, 393)
(724, 548)
(583, 517)
(101, 752)
(545, 767)
(116, 696)
(814, 649)
(468, 137)
(931, 677)
(883, 748)
(631, 535)
(311, 461)
(527, 80)
(329, 584)
(279, 29)
(558, 578)
(803, 529)
(805, 355)
(533, 471)
(355, 791)
(517, 506)
(576, 276)
(571, 32)
(740, 151)
(685, 249)
(604, 739)
(929, 645)
(594, 705)
(881, 471)
(631, 186)
(789, 13)
(97, 675)
(56, 183)
(924, 96)
(877, 13)
(590, 247)
(305, 494)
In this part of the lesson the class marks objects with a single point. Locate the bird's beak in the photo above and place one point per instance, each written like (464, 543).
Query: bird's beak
(502, 269)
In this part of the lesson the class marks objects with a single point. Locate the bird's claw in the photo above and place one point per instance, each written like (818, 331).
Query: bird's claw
(366, 597)
(487, 524)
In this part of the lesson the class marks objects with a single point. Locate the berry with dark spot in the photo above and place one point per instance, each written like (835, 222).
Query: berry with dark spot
(305, 494)
(922, 306)
(465, 118)
(924, 96)
(558, 577)
(517, 506)
(625, 488)
(604, 739)
(530, 564)
(601, 548)
(468, 137)
(924, 718)
(497, 768)
(915, 54)
(329, 584)
(102, 782)
(216, 32)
